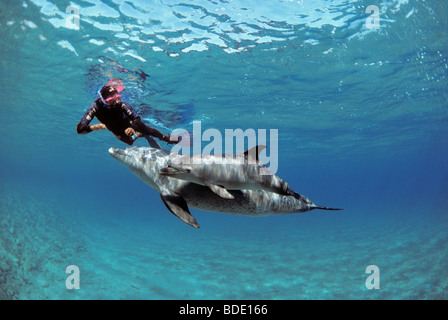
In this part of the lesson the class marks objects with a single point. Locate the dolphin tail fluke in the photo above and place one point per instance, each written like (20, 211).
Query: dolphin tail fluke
(326, 208)
(178, 206)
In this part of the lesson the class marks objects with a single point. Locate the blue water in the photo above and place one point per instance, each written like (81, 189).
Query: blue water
(362, 117)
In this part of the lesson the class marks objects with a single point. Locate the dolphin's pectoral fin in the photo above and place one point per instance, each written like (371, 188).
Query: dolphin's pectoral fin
(220, 191)
(179, 207)
(171, 170)
(168, 171)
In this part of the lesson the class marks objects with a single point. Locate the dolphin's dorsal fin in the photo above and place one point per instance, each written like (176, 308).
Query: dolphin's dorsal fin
(220, 191)
(179, 207)
(254, 152)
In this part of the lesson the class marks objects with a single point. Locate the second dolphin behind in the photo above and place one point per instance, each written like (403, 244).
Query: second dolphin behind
(227, 172)
(178, 195)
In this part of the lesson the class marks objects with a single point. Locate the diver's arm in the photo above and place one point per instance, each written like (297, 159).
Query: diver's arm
(83, 126)
(98, 126)
(138, 125)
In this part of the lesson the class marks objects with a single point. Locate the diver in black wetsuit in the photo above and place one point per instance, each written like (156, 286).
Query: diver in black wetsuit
(119, 118)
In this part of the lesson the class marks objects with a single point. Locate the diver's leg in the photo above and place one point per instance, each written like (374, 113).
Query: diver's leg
(152, 143)
(139, 126)
(126, 139)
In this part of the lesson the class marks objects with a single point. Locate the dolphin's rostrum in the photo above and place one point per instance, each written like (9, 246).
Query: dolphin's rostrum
(178, 194)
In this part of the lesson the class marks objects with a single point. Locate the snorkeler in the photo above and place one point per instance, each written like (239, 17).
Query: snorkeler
(119, 118)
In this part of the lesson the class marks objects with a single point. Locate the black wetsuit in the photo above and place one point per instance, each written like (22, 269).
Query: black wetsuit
(117, 119)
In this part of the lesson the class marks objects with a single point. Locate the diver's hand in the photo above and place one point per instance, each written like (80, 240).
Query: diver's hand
(132, 133)
(98, 126)
(129, 131)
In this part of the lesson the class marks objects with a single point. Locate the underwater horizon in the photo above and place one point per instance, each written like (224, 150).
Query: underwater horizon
(360, 101)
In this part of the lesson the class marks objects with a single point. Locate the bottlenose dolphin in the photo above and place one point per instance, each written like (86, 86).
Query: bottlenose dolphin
(178, 195)
(222, 172)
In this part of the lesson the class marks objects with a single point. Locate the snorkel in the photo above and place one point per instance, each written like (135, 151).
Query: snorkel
(101, 97)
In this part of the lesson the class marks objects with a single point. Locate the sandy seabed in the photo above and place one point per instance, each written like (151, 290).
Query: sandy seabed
(127, 258)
